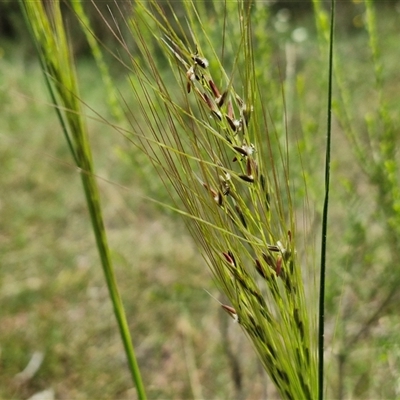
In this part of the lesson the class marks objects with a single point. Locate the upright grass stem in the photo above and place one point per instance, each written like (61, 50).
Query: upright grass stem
(373, 142)
(325, 215)
(49, 35)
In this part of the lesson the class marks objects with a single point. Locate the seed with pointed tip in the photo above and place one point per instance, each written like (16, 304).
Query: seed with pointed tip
(278, 266)
(213, 193)
(217, 114)
(234, 124)
(232, 256)
(247, 178)
(272, 247)
(208, 100)
(240, 150)
(212, 106)
(248, 167)
(202, 62)
(231, 311)
(229, 258)
(216, 195)
(214, 88)
(221, 99)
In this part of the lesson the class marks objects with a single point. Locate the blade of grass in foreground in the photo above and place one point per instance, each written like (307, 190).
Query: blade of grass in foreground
(325, 214)
(47, 29)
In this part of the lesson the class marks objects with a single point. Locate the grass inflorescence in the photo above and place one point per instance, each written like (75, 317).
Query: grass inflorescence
(215, 147)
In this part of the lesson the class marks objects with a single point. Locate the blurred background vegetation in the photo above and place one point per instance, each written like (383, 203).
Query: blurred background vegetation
(55, 307)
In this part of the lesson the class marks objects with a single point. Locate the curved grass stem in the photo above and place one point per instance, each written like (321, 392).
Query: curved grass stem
(48, 32)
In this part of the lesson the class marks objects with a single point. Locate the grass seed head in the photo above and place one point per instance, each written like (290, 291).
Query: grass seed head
(231, 311)
(202, 62)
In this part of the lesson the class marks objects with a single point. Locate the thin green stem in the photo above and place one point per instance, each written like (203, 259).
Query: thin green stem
(94, 206)
(56, 60)
(321, 332)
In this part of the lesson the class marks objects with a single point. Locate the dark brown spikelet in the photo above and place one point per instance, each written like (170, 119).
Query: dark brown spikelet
(230, 258)
(246, 178)
(221, 99)
(208, 101)
(249, 168)
(278, 266)
(240, 150)
(212, 106)
(214, 88)
(231, 311)
(219, 199)
(274, 248)
(233, 123)
(202, 62)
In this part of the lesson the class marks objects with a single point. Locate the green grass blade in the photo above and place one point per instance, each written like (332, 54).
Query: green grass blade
(325, 214)
(98, 56)
(50, 38)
